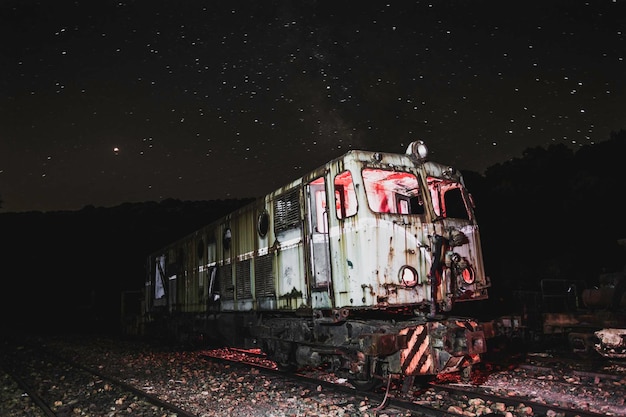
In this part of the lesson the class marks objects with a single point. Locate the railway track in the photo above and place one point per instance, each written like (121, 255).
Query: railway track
(53, 386)
(175, 377)
(584, 387)
(448, 399)
(314, 380)
(522, 405)
(63, 380)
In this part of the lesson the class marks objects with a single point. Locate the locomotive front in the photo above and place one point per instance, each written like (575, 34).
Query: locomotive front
(387, 262)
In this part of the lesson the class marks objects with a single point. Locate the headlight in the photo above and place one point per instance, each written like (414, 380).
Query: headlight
(468, 275)
(418, 149)
(408, 276)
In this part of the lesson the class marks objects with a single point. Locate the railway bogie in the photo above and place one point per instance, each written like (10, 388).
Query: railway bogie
(356, 265)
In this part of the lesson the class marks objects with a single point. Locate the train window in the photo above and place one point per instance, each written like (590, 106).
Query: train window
(263, 223)
(447, 199)
(403, 205)
(316, 192)
(321, 224)
(455, 206)
(392, 191)
(345, 197)
(159, 279)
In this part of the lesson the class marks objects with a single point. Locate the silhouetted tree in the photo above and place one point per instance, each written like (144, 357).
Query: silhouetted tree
(553, 213)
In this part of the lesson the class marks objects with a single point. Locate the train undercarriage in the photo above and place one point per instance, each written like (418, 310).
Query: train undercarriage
(365, 351)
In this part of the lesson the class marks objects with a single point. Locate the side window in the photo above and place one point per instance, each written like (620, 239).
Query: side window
(160, 278)
(318, 219)
(447, 199)
(392, 191)
(454, 204)
(345, 197)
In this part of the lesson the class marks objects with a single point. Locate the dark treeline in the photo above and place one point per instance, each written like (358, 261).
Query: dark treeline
(552, 213)
(68, 268)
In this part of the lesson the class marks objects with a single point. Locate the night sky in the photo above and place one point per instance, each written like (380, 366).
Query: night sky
(106, 102)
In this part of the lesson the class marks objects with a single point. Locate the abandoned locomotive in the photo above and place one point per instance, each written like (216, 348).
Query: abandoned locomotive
(356, 265)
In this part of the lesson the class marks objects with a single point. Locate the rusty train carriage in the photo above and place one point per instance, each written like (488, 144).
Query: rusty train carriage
(355, 265)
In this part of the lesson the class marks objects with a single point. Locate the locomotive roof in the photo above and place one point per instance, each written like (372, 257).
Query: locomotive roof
(386, 160)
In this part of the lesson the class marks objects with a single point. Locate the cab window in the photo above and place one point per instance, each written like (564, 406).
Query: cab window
(345, 197)
(391, 191)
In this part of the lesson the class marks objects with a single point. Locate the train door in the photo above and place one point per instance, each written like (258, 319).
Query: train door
(319, 251)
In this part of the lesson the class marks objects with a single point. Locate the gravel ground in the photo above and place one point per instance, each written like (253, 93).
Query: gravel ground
(13, 403)
(564, 388)
(196, 385)
(207, 388)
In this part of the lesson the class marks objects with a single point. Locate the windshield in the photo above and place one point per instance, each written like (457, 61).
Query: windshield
(392, 191)
(447, 197)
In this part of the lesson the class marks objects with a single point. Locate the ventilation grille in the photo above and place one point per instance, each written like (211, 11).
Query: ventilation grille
(264, 278)
(225, 275)
(287, 211)
(244, 286)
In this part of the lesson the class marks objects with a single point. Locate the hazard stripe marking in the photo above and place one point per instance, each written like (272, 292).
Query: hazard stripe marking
(416, 358)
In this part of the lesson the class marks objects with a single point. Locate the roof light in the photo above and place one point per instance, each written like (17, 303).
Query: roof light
(417, 149)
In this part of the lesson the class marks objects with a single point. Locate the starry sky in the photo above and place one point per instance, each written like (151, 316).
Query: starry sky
(106, 102)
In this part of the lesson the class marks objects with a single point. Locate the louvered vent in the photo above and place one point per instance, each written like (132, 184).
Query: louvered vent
(244, 286)
(287, 211)
(263, 276)
(225, 275)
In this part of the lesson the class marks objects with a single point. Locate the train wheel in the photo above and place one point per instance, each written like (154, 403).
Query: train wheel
(366, 385)
(282, 353)
(374, 380)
